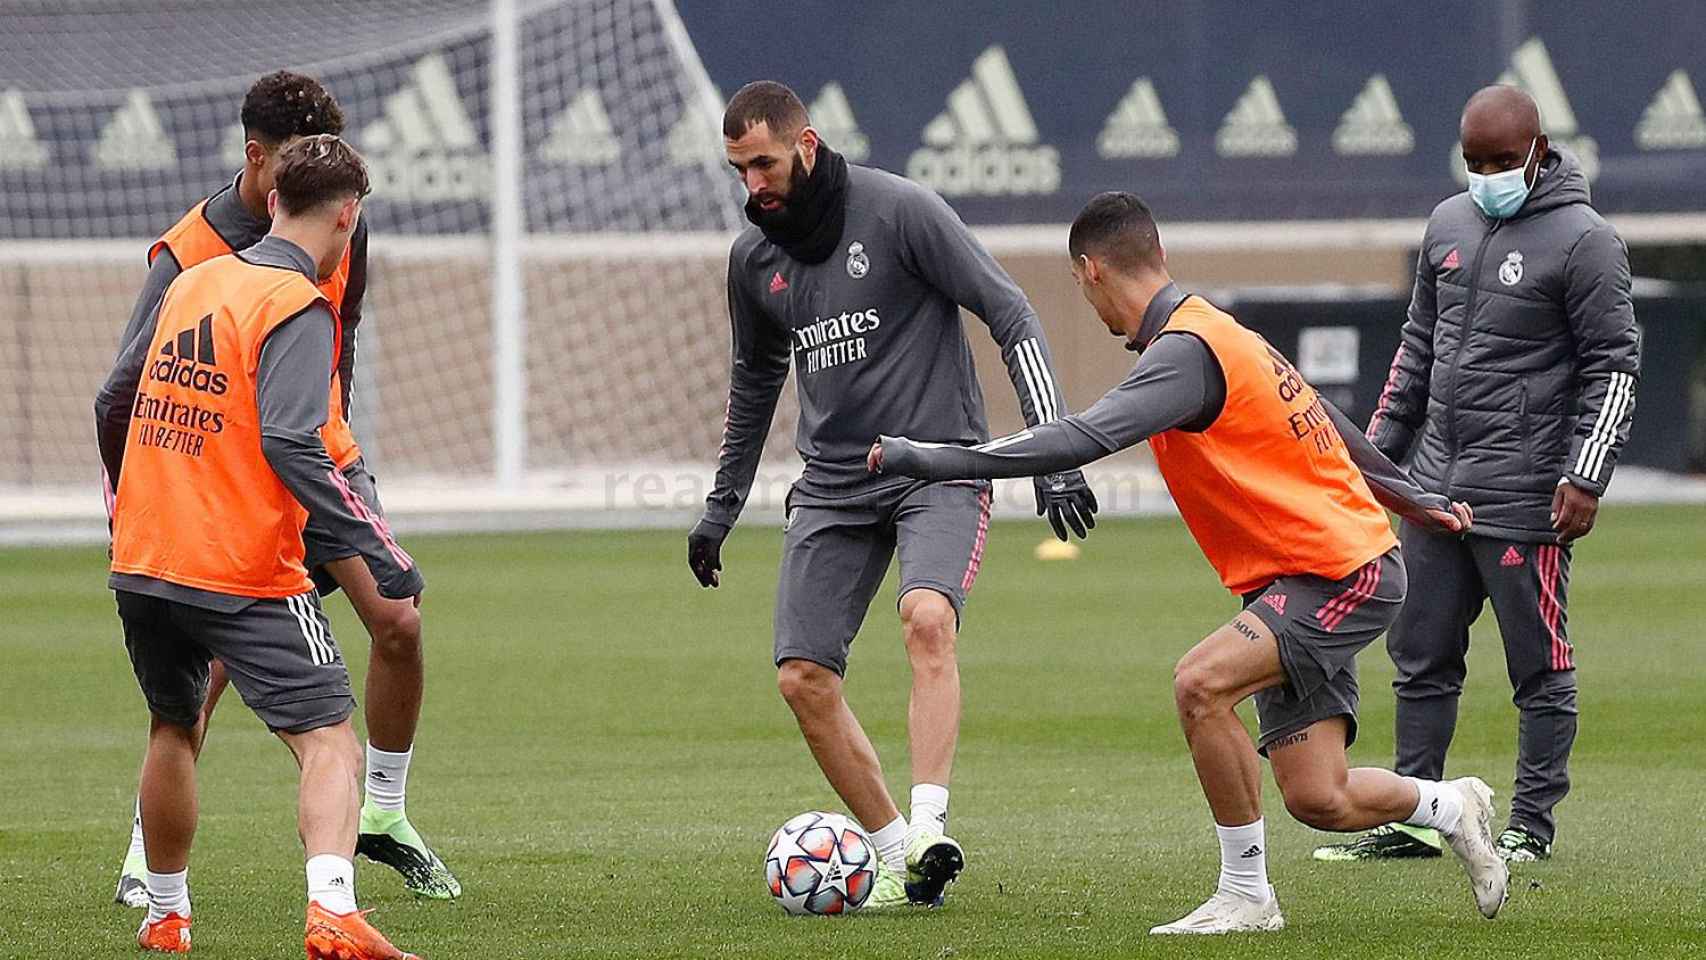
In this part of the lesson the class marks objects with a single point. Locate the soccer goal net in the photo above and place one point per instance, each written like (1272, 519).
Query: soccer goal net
(550, 221)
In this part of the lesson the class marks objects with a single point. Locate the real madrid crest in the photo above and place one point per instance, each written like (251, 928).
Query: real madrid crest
(857, 263)
(1510, 272)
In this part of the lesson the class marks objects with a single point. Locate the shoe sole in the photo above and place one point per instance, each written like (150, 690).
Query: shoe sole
(416, 870)
(1329, 855)
(330, 943)
(1270, 925)
(1481, 796)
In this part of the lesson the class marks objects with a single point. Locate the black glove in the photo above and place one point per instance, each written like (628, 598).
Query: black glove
(1068, 501)
(705, 551)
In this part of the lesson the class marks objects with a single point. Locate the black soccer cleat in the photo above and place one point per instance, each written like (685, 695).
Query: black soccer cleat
(933, 861)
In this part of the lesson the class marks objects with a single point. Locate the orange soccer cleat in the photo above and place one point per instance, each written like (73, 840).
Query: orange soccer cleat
(346, 936)
(169, 934)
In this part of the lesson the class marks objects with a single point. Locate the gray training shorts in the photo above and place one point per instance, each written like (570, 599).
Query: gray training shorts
(279, 654)
(320, 547)
(1322, 625)
(835, 554)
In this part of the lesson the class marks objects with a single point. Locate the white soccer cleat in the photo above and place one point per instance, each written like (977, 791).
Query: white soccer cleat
(1472, 841)
(1228, 912)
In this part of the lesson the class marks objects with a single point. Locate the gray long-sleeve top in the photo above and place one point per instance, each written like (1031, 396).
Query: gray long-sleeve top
(1176, 384)
(292, 387)
(875, 338)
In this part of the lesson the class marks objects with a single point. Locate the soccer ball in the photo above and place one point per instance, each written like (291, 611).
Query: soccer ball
(820, 864)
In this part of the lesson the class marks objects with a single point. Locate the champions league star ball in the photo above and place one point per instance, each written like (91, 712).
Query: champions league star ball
(820, 864)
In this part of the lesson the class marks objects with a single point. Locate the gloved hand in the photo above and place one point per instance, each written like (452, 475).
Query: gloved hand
(1068, 501)
(705, 551)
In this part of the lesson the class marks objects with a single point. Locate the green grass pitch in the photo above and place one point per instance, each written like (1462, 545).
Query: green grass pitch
(603, 756)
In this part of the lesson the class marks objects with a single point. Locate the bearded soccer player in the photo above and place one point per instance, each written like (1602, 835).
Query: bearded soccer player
(858, 276)
(1284, 496)
(279, 109)
(219, 462)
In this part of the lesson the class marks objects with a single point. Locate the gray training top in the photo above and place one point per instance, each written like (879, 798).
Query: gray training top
(1176, 384)
(875, 336)
(292, 387)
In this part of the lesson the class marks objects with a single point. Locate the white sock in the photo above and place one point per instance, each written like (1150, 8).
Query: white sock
(387, 777)
(1437, 805)
(135, 853)
(891, 844)
(929, 808)
(331, 882)
(1244, 861)
(167, 893)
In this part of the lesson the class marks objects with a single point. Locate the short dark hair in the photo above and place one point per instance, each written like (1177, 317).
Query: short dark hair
(1117, 227)
(319, 169)
(283, 104)
(766, 102)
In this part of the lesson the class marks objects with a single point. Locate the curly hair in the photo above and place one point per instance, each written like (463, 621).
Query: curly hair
(282, 105)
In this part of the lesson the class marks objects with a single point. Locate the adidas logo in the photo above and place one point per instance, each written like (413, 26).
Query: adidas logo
(19, 148)
(1673, 121)
(134, 138)
(985, 142)
(1256, 127)
(1452, 261)
(1373, 126)
(379, 776)
(777, 284)
(832, 115)
(1512, 558)
(424, 148)
(1276, 601)
(186, 360)
(1531, 69)
(1254, 851)
(582, 135)
(697, 136)
(1137, 127)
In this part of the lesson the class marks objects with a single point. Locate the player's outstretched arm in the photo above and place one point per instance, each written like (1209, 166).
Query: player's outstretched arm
(757, 370)
(1392, 486)
(940, 248)
(292, 385)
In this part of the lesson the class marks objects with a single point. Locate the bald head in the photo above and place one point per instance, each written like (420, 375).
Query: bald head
(1501, 130)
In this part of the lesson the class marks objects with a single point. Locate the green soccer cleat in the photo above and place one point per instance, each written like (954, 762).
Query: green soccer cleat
(387, 837)
(889, 892)
(132, 890)
(1395, 841)
(932, 862)
(1517, 845)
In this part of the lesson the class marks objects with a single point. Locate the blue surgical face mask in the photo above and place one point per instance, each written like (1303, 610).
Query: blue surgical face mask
(1500, 195)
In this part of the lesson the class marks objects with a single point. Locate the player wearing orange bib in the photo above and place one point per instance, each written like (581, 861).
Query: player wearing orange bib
(1284, 496)
(218, 464)
(279, 109)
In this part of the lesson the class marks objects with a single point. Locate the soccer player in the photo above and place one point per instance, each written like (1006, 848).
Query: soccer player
(1284, 497)
(280, 108)
(858, 276)
(219, 462)
(1514, 380)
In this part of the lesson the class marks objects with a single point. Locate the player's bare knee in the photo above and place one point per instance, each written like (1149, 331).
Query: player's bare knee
(1195, 691)
(396, 633)
(810, 689)
(1322, 806)
(929, 626)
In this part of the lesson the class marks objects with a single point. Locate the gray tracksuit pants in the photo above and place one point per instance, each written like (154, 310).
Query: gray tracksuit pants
(1451, 579)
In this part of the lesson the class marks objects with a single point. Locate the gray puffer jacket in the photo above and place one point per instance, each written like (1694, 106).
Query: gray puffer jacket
(1519, 356)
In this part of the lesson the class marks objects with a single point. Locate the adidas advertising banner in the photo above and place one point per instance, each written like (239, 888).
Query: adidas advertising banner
(1213, 110)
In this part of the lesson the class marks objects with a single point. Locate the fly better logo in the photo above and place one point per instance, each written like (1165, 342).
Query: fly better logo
(1531, 69)
(1673, 121)
(832, 115)
(19, 148)
(985, 143)
(134, 138)
(424, 148)
(582, 135)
